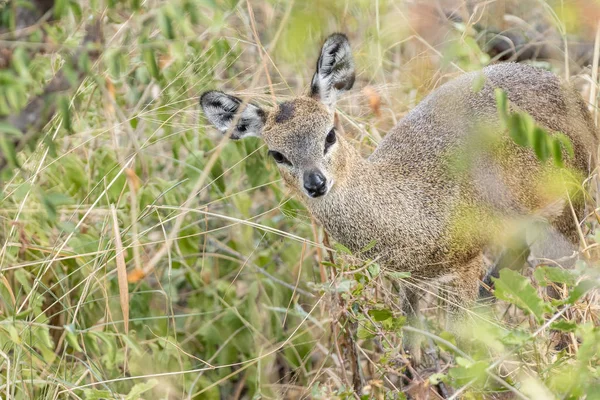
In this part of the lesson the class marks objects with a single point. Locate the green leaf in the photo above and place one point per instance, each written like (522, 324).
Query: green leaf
(517, 130)
(565, 142)
(590, 348)
(516, 289)
(84, 63)
(10, 130)
(545, 274)
(380, 315)
(365, 332)
(593, 392)
(151, 64)
(13, 333)
(467, 371)
(437, 378)
(116, 64)
(516, 337)
(344, 286)
(192, 10)
(449, 337)
(368, 247)
(216, 173)
(556, 151)
(140, 388)
(75, 9)
(398, 275)
(540, 143)
(502, 103)
(8, 150)
(44, 343)
(166, 24)
(394, 324)
(52, 200)
(70, 72)
(374, 270)
(329, 264)
(72, 338)
(20, 63)
(361, 278)
(580, 290)
(564, 326)
(110, 351)
(528, 125)
(14, 96)
(51, 146)
(59, 199)
(93, 394)
(340, 248)
(60, 8)
(358, 289)
(478, 83)
(65, 112)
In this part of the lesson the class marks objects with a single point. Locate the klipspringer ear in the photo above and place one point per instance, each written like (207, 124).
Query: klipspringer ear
(335, 70)
(222, 110)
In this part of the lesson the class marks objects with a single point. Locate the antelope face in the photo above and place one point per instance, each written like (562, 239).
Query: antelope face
(300, 133)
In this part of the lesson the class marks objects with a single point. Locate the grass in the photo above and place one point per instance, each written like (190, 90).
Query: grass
(143, 256)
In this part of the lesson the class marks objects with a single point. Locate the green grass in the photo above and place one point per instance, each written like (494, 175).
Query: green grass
(228, 295)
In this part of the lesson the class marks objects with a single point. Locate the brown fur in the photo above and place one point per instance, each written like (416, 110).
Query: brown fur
(404, 197)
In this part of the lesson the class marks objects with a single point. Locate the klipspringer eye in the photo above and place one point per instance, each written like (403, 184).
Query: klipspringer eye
(330, 139)
(279, 158)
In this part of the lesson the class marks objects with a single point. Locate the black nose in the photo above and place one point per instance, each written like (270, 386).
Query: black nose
(315, 183)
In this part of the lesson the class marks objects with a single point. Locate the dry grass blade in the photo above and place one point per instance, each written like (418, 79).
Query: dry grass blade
(594, 85)
(121, 270)
(9, 289)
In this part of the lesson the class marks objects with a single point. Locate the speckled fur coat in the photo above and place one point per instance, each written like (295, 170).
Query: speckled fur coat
(434, 193)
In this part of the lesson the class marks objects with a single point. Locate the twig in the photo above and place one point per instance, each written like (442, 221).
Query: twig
(436, 360)
(348, 330)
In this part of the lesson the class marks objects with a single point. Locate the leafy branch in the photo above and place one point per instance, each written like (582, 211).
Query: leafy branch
(24, 127)
(525, 132)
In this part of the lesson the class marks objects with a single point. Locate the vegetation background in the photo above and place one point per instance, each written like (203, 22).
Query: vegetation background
(142, 256)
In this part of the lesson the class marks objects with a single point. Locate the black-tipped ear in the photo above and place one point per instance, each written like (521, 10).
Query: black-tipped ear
(222, 111)
(335, 70)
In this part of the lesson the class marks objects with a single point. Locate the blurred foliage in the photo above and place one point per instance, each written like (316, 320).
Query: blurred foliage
(234, 308)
